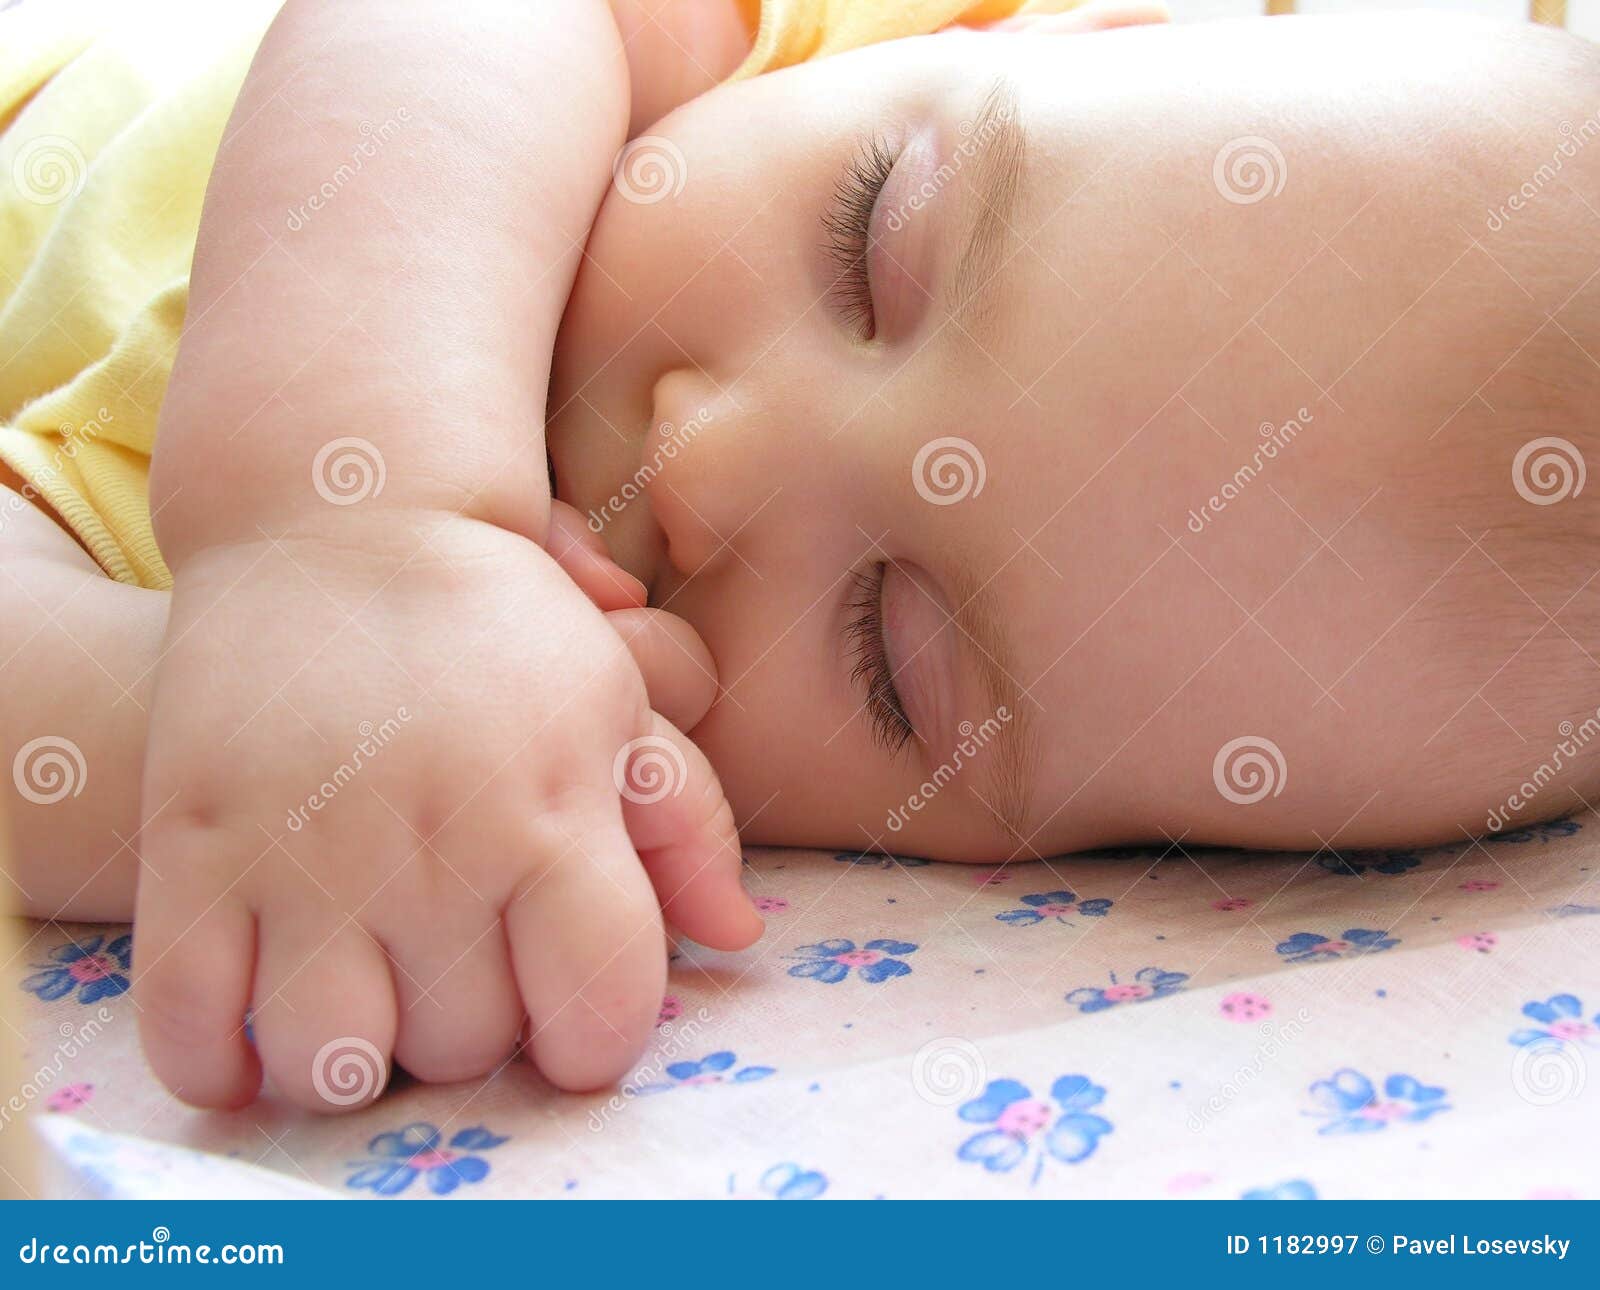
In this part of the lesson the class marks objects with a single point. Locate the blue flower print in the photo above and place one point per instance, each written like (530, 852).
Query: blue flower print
(1022, 1123)
(1313, 947)
(1148, 983)
(1350, 1104)
(1562, 1021)
(787, 1181)
(1294, 1189)
(1573, 911)
(830, 961)
(714, 1069)
(1352, 864)
(1539, 832)
(92, 968)
(1053, 904)
(400, 1158)
(875, 860)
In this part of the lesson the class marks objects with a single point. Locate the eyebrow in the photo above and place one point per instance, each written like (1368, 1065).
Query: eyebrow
(985, 643)
(1000, 140)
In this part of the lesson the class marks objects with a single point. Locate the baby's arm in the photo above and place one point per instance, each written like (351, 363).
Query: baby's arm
(350, 488)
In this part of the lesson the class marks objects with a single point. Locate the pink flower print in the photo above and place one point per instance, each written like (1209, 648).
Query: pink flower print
(1243, 1006)
(991, 877)
(1231, 904)
(671, 1010)
(1024, 1118)
(70, 1098)
(770, 904)
(1480, 884)
(1482, 942)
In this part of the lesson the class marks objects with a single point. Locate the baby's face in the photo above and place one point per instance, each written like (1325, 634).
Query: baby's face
(902, 376)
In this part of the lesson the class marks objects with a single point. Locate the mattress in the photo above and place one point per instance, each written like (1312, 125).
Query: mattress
(1156, 1023)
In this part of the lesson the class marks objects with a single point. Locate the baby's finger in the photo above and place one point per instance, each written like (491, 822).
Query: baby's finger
(583, 557)
(678, 671)
(191, 981)
(459, 1011)
(590, 956)
(682, 826)
(325, 1049)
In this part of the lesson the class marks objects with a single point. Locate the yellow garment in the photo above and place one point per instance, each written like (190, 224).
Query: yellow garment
(796, 31)
(110, 118)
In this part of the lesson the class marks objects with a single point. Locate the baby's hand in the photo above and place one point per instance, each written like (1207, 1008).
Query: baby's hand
(397, 791)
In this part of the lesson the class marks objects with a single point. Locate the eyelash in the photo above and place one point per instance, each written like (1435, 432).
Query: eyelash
(870, 669)
(847, 223)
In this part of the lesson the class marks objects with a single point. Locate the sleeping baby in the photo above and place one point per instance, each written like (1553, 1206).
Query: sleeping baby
(603, 434)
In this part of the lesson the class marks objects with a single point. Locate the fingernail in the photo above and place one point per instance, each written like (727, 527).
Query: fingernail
(635, 589)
